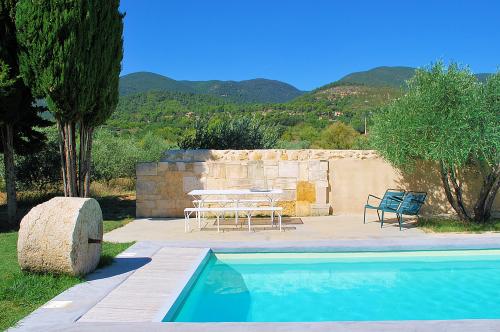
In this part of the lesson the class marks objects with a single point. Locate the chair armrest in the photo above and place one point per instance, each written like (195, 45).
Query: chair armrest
(370, 195)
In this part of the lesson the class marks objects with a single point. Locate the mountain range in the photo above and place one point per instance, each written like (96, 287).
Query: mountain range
(262, 90)
(387, 76)
(257, 90)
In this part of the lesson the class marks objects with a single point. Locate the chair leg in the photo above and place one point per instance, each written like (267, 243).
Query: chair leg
(381, 219)
(218, 224)
(364, 216)
(400, 221)
(186, 222)
(249, 216)
(279, 220)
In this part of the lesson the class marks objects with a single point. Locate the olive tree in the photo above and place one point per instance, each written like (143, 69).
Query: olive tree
(446, 116)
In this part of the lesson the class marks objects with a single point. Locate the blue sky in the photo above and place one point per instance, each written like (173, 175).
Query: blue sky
(306, 43)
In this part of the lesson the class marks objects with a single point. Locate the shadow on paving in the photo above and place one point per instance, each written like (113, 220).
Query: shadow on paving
(120, 265)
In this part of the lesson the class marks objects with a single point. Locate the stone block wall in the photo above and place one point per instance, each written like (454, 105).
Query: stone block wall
(315, 182)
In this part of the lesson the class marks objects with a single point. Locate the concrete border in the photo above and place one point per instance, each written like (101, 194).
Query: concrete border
(85, 296)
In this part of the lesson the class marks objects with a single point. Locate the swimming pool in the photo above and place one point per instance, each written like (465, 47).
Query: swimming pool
(358, 286)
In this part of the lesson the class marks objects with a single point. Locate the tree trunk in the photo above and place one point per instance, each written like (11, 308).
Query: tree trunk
(454, 198)
(86, 134)
(7, 133)
(489, 189)
(67, 147)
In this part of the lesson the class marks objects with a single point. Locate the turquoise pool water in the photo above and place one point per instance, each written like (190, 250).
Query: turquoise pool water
(305, 287)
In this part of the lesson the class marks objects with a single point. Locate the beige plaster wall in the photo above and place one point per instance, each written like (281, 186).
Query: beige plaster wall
(315, 182)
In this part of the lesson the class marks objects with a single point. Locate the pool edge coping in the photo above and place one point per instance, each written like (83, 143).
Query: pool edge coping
(44, 318)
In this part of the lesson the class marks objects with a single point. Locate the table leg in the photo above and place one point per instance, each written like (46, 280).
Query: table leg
(249, 216)
(236, 212)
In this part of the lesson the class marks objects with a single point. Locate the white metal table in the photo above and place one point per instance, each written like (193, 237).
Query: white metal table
(201, 195)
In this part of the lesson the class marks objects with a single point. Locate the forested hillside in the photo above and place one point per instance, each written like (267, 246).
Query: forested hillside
(257, 90)
(156, 105)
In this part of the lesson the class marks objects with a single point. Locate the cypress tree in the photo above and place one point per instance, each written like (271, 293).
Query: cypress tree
(106, 57)
(18, 113)
(65, 59)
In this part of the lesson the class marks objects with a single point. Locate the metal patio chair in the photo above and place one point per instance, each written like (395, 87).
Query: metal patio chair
(391, 199)
(410, 206)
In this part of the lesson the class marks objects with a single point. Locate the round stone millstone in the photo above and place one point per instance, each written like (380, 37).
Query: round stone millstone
(62, 235)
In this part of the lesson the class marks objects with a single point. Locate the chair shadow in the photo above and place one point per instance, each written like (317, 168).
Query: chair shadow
(393, 222)
(119, 266)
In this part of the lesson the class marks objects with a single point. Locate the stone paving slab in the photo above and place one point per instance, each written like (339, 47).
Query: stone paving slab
(84, 296)
(336, 227)
(154, 286)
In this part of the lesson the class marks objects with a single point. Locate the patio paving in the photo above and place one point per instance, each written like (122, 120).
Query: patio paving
(313, 228)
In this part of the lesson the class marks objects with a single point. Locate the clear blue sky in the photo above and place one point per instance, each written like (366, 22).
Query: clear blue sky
(306, 43)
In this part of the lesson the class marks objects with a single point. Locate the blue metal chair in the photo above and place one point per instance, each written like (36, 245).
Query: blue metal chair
(391, 199)
(410, 206)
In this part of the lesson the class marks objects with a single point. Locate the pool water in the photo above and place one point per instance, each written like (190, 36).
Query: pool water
(308, 287)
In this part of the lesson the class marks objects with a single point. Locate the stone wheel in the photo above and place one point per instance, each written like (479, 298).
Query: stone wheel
(62, 235)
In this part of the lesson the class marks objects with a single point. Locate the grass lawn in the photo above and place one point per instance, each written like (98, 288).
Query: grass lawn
(451, 225)
(22, 293)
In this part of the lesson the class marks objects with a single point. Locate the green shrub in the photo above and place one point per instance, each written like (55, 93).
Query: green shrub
(115, 156)
(230, 133)
(41, 170)
(338, 136)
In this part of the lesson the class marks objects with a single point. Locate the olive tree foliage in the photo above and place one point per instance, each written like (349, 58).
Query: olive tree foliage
(447, 117)
(230, 133)
(115, 156)
(71, 55)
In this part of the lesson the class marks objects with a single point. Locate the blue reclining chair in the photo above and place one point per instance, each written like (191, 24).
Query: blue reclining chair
(410, 206)
(391, 199)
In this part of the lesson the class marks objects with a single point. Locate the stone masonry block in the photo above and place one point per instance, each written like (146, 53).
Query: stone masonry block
(146, 169)
(191, 183)
(256, 171)
(271, 172)
(181, 166)
(321, 184)
(163, 167)
(236, 171)
(321, 195)
(285, 183)
(303, 171)
(320, 209)
(217, 170)
(318, 175)
(302, 208)
(288, 169)
(288, 195)
(200, 168)
(146, 188)
(306, 191)
(216, 183)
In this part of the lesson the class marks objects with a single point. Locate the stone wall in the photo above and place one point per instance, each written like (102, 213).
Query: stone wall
(315, 182)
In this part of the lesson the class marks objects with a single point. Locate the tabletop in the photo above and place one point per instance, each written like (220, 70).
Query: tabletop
(236, 192)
